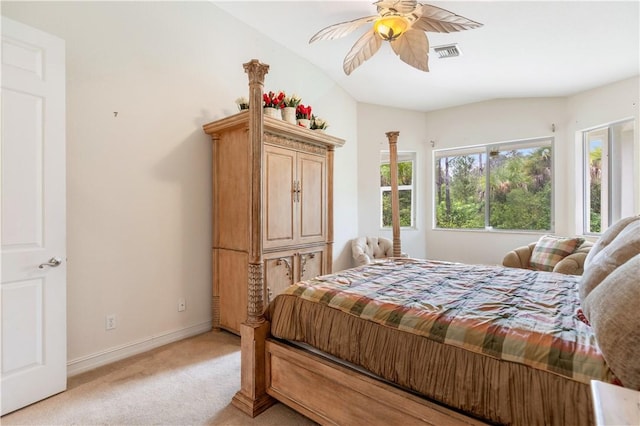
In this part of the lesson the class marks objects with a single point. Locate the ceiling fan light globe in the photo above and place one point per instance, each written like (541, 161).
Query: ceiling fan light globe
(391, 27)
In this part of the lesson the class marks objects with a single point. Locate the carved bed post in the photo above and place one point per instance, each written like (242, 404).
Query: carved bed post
(252, 397)
(395, 203)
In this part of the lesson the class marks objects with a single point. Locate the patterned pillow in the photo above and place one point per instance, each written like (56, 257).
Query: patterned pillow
(550, 250)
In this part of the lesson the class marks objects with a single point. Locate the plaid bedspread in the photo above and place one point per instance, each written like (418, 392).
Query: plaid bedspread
(511, 314)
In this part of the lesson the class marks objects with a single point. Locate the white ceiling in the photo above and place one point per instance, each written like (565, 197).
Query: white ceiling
(524, 49)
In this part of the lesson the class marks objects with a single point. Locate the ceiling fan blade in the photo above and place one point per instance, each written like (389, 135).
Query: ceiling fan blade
(401, 6)
(439, 20)
(413, 48)
(341, 29)
(365, 48)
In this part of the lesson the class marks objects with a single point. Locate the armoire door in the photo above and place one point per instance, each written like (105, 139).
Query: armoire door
(34, 267)
(311, 262)
(279, 273)
(279, 197)
(312, 198)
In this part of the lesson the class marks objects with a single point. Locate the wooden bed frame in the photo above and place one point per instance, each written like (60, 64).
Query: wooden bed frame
(323, 390)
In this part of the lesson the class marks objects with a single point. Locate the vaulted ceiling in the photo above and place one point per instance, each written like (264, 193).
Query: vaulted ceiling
(524, 49)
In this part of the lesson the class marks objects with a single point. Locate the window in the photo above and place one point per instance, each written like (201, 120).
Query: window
(406, 193)
(506, 186)
(608, 174)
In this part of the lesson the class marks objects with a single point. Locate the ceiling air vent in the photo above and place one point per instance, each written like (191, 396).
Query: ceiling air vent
(447, 51)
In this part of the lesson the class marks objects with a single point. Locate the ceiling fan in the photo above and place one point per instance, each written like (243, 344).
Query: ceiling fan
(403, 24)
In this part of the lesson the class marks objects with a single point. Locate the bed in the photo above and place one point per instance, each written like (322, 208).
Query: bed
(507, 344)
(410, 341)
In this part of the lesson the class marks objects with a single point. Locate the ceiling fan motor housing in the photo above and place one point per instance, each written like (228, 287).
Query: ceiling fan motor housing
(391, 26)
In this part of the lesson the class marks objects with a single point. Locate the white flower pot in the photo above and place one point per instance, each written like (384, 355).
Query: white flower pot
(289, 114)
(272, 112)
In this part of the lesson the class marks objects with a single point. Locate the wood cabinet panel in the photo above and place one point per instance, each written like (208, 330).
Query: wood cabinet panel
(231, 190)
(312, 200)
(311, 262)
(279, 201)
(229, 274)
(279, 273)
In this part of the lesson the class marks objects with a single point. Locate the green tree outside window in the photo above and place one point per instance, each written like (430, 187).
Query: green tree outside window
(405, 193)
(519, 187)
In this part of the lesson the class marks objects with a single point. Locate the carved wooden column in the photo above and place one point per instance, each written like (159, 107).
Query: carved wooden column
(252, 397)
(395, 203)
(256, 72)
(329, 260)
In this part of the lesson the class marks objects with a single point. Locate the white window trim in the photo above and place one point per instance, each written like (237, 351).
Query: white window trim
(403, 157)
(606, 189)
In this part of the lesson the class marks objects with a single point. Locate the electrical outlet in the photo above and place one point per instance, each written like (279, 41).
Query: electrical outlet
(110, 322)
(182, 305)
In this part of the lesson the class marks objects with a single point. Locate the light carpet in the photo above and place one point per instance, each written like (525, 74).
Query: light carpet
(190, 382)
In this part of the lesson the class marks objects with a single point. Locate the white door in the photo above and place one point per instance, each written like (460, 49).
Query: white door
(34, 335)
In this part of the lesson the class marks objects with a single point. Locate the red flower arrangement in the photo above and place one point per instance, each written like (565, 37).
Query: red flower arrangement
(303, 112)
(272, 100)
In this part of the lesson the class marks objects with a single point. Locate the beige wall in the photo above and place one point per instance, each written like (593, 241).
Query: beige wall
(480, 123)
(374, 122)
(597, 107)
(138, 185)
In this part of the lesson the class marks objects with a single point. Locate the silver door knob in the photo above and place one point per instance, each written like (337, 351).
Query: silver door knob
(53, 262)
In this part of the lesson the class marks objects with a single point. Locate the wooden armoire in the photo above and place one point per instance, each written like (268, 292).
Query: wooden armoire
(272, 205)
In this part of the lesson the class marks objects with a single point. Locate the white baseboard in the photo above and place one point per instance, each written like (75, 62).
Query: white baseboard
(89, 362)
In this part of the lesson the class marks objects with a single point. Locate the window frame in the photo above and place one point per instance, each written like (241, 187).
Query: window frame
(402, 157)
(609, 198)
(486, 149)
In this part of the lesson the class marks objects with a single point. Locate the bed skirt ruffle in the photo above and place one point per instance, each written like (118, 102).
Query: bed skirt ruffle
(494, 390)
